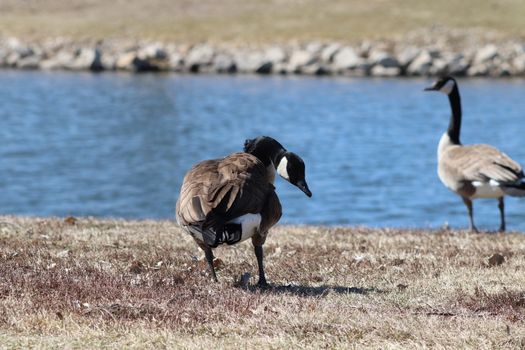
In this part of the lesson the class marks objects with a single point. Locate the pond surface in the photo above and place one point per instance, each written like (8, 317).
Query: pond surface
(118, 145)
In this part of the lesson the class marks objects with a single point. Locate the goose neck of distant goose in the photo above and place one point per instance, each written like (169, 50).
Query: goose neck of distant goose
(454, 127)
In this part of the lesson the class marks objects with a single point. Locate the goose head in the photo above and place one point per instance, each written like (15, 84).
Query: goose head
(291, 168)
(287, 164)
(444, 85)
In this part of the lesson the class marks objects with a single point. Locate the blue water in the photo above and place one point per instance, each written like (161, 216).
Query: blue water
(118, 145)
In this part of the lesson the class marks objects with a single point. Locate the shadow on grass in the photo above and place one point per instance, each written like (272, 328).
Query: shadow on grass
(308, 291)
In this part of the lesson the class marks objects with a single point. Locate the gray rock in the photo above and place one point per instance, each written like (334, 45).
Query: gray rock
(300, 59)
(252, 62)
(407, 55)
(125, 61)
(502, 69)
(383, 58)
(280, 68)
(176, 61)
(154, 51)
(131, 61)
(86, 59)
(3, 57)
(224, 63)
(439, 67)
(275, 55)
(108, 61)
(60, 61)
(347, 58)
(328, 52)
(421, 64)
(478, 70)
(518, 64)
(314, 48)
(457, 64)
(485, 54)
(382, 71)
(29, 62)
(199, 57)
(265, 68)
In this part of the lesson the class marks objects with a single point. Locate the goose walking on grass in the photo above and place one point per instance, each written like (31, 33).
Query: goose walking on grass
(232, 199)
(474, 171)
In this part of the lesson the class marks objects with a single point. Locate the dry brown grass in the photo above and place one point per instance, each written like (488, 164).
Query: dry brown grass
(137, 284)
(253, 20)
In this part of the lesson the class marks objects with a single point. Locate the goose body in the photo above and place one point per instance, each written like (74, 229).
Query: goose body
(229, 200)
(474, 171)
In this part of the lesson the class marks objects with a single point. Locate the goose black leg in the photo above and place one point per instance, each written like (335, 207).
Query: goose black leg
(501, 206)
(209, 258)
(468, 203)
(259, 254)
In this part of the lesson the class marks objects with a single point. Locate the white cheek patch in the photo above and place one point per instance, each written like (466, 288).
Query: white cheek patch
(281, 169)
(447, 88)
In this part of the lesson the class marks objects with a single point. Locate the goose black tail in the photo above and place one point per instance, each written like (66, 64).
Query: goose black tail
(516, 189)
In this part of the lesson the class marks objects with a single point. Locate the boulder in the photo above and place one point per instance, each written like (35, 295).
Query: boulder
(439, 67)
(518, 63)
(478, 70)
(3, 57)
(275, 55)
(108, 61)
(199, 57)
(176, 61)
(252, 62)
(421, 64)
(328, 52)
(486, 54)
(86, 59)
(407, 55)
(347, 58)
(382, 71)
(224, 63)
(299, 59)
(125, 61)
(154, 51)
(383, 58)
(29, 62)
(457, 64)
(59, 61)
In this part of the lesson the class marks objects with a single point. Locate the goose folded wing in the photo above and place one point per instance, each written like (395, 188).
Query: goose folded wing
(484, 163)
(217, 192)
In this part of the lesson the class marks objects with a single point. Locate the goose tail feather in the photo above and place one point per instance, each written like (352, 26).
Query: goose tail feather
(516, 189)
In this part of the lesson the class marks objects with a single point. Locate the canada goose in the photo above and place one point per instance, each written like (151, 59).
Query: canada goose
(474, 171)
(232, 199)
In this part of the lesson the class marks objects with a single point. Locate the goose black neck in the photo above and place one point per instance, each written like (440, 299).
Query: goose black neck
(454, 127)
(267, 150)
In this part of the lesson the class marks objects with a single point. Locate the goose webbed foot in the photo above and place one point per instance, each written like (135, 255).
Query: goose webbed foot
(262, 283)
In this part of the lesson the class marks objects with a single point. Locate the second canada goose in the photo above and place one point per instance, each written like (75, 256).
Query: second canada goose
(232, 199)
(474, 171)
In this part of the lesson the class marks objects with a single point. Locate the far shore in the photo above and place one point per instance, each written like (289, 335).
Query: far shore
(423, 53)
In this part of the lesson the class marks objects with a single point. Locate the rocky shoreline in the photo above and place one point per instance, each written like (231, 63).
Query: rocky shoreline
(406, 57)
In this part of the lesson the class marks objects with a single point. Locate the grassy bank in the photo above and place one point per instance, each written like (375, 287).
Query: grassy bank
(253, 20)
(94, 283)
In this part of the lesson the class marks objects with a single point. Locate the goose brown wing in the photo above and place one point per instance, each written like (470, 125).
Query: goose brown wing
(216, 191)
(483, 163)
